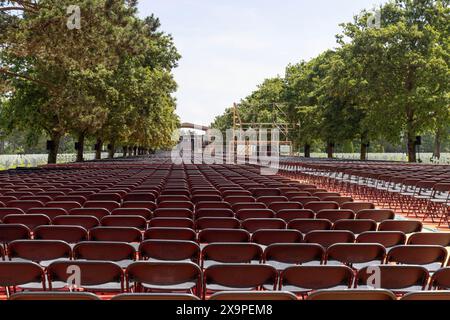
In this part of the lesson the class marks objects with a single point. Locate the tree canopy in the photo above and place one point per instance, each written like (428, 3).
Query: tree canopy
(109, 79)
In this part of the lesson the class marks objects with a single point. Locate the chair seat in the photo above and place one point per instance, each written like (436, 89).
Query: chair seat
(186, 286)
(396, 290)
(301, 290)
(280, 266)
(209, 263)
(110, 286)
(217, 287)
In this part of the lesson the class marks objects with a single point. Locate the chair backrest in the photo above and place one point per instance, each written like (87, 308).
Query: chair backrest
(92, 273)
(395, 278)
(417, 254)
(307, 225)
(30, 220)
(11, 232)
(253, 225)
(39, 250)
(171, 223)
(87, 222)
(165, 275)
(72, 198)
(143, 212)
(378, 215)
(430, 238)
(172, 197)
(169, 250)
(19, 273)
(240, 276)
(351, 253)
(139, 204)
(338, 199)
(140, 196)
(441, 279)
(405, 226)
(335, 215)
(317, 206)
(358, 206)
(248, 205)
(109, 205)
(176, 204)
(245, 214)
(217, 223)
(353, 295)
(69, 234)
(212, 205)
(25, 204)
(355, 226)
(170, 234)
(310, 278)
(278, 206)
(124, 221)
(214, 213)
(173, 213)
(265, 192)
(239, 199)
(386, 238)
(269, 200)
(291, 214)
(268, 237)
(67, 205)
(49, 212)
(106, 197)
(294, 253)
(104, 251)
(197, 198)
(120, 234)
(232, 252)
(328, 238)
(8, 211)
(223, 235)
(99, 213)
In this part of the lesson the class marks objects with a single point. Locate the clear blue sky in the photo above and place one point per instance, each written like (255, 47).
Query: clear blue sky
(230, 46)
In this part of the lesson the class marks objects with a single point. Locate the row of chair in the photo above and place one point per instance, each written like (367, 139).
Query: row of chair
(170, 277)
(76, 234)
(279, 255)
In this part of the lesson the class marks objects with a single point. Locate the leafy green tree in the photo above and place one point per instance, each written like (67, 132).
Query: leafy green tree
(404, 66)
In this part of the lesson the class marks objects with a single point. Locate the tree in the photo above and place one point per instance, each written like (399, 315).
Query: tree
(402, 66)
(75, 81)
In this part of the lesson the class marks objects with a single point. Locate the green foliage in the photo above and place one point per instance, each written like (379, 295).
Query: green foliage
(110, 80)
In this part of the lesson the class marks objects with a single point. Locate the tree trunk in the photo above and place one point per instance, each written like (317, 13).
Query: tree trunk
(125, 149)
(437, 145)
(363, 152)
(330, 150)
(412, 148)
(307, 151)
(98, 149)
(111, 151)
(54, 148)
(135, 151)
(80, 150)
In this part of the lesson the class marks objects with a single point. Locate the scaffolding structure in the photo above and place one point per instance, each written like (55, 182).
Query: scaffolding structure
(283, 127)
